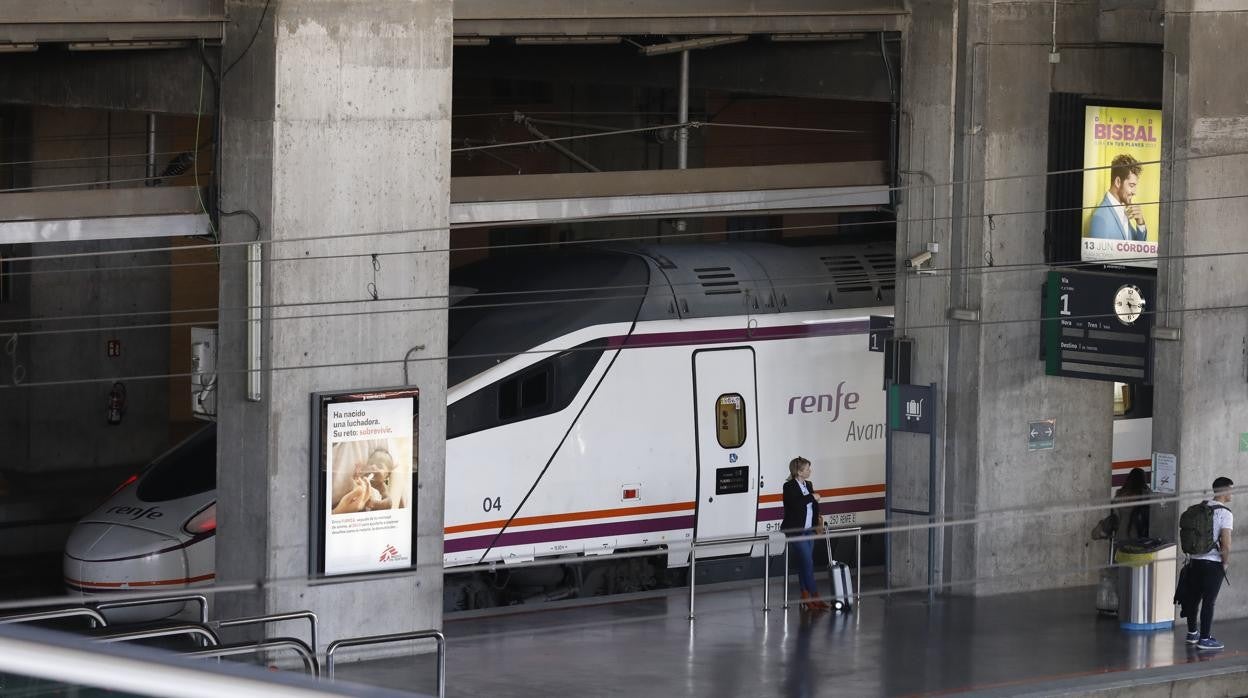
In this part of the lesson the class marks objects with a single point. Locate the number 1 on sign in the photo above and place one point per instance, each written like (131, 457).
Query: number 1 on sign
(1065, 298)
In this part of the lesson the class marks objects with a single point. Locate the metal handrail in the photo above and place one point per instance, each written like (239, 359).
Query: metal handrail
(194, 629)
(97, 619)
(299, 646)
(435, 635)
(157, 600)
(765, 538)
(828, 534)
(275, 618)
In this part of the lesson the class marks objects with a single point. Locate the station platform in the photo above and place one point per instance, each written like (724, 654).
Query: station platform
(1043, 643)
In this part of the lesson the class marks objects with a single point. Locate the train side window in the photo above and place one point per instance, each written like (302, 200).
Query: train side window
(544, 388)
(730, 420)
(525, 395)
(535, 391)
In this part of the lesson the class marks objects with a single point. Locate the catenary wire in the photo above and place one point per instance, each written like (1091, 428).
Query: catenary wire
(96, 183)
(683, 209)
(96, 157)
(615, 240)
(884, 279)
(554, 350)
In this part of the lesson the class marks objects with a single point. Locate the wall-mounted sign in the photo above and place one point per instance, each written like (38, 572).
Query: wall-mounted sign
(1096, 326)
(1041, 434)
(1121, 185)
(879, 331)
(1165, 471)
(910, 408)
(365, 470)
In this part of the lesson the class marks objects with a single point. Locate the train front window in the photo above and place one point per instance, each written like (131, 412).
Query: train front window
(189, 469)
(730, 420)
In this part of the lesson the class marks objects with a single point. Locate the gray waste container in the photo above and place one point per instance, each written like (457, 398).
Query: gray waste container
(1146, 576)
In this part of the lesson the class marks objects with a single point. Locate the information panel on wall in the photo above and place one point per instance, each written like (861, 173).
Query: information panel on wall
(1096, 326)
(365, 470)
(1121, 185)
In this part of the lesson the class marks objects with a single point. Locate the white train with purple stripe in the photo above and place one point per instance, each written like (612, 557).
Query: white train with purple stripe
(662, 397)
(600, 400)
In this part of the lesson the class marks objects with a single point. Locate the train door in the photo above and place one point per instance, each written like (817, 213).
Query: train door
(726, 419)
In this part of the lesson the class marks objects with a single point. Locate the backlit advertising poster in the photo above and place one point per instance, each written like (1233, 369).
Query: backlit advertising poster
(368, 471)
(1121, 185)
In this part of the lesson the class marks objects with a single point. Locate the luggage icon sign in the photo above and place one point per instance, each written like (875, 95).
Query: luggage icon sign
(914, 410)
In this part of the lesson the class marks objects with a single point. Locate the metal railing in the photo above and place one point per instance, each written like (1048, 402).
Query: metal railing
(435, 635)
(158, 600)
(827, 534)
(97, 619)
(764, 538)
(193, 629)
(274, 618)
(300, 648)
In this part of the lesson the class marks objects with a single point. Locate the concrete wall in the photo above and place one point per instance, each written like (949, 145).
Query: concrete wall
(977, 93)
(337, 122)
(39, 418)
(1201, 399)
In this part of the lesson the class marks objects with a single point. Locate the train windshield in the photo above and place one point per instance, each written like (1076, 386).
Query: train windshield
(188, 469)
(521, 301)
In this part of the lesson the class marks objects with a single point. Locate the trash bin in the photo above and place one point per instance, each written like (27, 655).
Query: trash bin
(1146, 575)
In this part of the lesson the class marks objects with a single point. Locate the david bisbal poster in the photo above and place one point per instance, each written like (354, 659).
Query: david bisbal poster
(369, 469)
(1121, 185)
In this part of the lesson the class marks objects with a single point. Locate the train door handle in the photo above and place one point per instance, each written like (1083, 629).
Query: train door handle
(710, 499)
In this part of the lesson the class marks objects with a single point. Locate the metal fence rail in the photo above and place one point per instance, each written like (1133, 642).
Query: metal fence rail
(299, 647)
(763, 538)
(97, 619)
(435, 635)
(193, 629)
(158, 600)
(275, 618)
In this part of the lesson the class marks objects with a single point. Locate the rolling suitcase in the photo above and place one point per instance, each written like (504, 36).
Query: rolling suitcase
(842, 582)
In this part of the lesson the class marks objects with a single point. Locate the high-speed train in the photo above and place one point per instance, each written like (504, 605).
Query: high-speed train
(607, 400)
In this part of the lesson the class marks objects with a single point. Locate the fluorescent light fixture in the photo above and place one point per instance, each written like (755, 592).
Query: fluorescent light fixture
(815, 37)
(964, 314)
(566, 40)
(18, 48)
(689, 44)
(1167, 333)
(124, 45)
(472, 41)
(830, 321)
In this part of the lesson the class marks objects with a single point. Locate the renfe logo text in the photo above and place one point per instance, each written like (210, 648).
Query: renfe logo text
(136, 513)
(826, 402)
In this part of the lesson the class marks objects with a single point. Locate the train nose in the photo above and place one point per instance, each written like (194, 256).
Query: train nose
(102, 558)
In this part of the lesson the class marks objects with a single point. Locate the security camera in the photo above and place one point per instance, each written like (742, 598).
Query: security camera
(919, 259)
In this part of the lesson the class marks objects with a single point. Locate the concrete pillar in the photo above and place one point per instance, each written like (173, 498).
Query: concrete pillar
(336, 122)
(1201, 399)
(977, 95)
(926, 160)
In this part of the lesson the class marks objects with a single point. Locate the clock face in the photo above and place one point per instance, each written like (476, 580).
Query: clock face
(1128, 304)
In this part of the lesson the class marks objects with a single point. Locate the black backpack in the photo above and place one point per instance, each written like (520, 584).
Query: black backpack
(1196, 529)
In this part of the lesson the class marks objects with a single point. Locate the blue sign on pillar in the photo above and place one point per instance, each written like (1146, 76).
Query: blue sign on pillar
(910, 408)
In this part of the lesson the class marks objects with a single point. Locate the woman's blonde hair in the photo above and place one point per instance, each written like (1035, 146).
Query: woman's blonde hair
(795, 465)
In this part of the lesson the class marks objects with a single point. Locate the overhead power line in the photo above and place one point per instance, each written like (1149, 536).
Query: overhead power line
(403, 361)
(672, 211)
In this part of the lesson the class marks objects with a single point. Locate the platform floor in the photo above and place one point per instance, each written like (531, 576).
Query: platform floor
(896, 647)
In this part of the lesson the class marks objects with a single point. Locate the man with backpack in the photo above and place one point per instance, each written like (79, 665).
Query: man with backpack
(1205, 535)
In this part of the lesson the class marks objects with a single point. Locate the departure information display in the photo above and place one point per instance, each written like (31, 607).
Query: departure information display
(1097, 326)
